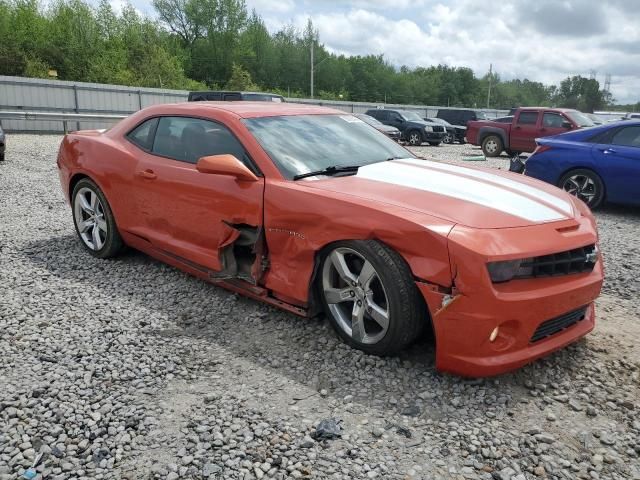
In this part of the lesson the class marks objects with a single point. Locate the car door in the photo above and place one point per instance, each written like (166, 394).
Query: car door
(618, 164)
(553, 124)
(524, 132)
(185, 213)
(395, 120)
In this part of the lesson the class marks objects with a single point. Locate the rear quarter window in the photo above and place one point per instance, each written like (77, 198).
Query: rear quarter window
(143, 134)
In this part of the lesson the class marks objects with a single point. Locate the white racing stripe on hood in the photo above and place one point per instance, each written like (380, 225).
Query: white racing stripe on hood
(557, 202)
(458, 186)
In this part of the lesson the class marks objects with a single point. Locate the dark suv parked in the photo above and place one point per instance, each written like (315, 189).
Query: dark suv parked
(457, 116)
(234, 96)
(414, 129)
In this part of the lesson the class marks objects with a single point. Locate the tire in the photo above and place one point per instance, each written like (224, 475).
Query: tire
(584, 184)
(434, 144)
(448, 138)
(387, 293)
(94, 220)
(492, 146)
(414, 137)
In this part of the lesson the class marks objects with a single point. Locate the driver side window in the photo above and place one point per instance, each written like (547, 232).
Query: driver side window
(627, 136)
(188, 139)
(552, 120)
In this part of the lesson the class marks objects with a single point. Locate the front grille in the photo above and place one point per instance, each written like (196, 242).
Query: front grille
(556, 325)
(578, 260)
(438, 128)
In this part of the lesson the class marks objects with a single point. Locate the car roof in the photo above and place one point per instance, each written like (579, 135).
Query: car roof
(246, 109)
(552, 109)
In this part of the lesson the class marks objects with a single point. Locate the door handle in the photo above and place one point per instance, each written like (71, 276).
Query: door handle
(607, 151)
(148, 174)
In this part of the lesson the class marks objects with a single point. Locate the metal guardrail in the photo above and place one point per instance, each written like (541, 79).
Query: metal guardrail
(60, 116)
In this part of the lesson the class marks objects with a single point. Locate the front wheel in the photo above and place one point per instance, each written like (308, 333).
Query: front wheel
(370, 298)
(448, 138)
(94, 221)
(415, 138)
(584, 184)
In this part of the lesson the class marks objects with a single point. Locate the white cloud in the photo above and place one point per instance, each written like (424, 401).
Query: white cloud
(518, 38)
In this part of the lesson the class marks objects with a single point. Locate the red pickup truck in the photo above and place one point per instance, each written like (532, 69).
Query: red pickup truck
(527, 125)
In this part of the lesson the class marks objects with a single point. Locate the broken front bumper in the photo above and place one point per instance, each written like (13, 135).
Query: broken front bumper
(484, 328)
(463, 328)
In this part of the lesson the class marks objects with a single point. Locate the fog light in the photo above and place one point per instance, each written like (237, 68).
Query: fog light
(494, 334)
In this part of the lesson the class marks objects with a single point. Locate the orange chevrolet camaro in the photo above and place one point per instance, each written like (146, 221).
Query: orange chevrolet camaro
(311, 209)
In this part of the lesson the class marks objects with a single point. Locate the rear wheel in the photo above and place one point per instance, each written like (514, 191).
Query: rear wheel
(492, 146)
(584, 184)
(414, 138)
(94, 221)
(370, 298)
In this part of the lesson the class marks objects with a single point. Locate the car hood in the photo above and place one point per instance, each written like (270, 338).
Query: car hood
(387, 128)
(478, 198)
(416, 123)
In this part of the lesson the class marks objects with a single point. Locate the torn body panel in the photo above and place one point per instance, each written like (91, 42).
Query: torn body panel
(296, 230)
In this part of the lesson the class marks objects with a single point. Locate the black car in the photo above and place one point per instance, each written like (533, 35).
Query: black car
(460, 116)
(455, 133)
(415, 130)
(391, 132)
(234, 96)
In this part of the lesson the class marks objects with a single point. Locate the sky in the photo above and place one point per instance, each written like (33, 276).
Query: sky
(542, 40)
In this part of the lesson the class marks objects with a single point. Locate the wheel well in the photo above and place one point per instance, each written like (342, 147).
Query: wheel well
(74, 181)
(315, 303)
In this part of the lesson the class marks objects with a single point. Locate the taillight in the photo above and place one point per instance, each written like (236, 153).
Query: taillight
(541, 148)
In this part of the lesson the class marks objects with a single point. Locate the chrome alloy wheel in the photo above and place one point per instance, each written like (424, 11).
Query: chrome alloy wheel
(582, 186)
(355, 295)
(88, 213)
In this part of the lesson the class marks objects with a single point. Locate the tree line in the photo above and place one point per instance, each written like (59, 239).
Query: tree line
(212, 44)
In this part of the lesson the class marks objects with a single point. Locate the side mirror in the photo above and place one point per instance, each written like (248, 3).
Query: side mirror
(225, 164)
(567, 125)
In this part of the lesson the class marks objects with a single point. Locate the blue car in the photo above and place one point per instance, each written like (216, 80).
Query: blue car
(595, 164)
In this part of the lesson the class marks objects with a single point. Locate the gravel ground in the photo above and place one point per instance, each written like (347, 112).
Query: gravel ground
(130, 369)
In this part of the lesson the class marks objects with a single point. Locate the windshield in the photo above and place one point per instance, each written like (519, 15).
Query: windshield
(579, 118)
(413, 116)
(369, 119)
(305, 143)
(481, 116)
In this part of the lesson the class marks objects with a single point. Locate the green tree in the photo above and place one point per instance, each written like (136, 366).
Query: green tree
(240, 79)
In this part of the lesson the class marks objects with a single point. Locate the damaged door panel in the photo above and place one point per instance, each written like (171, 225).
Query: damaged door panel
(243, 254)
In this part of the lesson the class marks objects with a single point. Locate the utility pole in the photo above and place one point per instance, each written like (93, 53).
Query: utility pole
(489, 91)
(312, 42)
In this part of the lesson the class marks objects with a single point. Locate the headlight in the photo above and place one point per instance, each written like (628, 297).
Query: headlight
(427, 128)
(508, 269)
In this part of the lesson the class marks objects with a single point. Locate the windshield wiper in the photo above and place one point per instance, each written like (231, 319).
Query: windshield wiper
(332, 170)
